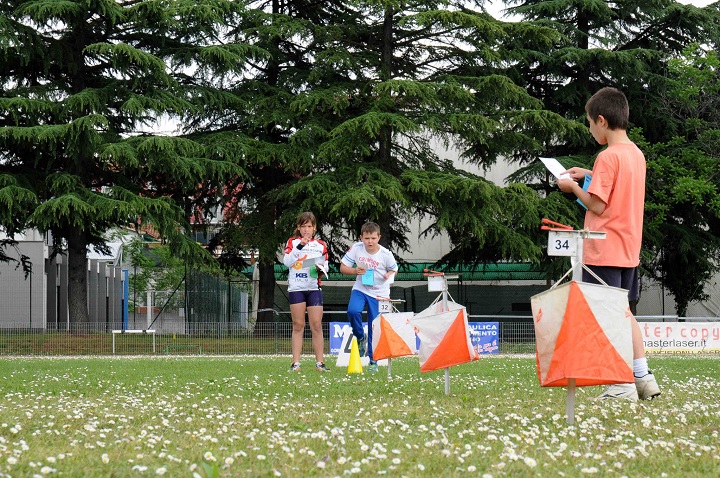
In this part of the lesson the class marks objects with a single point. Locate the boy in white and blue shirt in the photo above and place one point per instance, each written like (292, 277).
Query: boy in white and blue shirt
(375, 268)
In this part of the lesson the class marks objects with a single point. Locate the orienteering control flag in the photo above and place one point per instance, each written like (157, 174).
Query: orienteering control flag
(444, 337)
(583, 331)
(393, 335)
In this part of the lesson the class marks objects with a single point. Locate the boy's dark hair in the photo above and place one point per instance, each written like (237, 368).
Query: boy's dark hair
(612, 104)
(370, 227)
(304, 217)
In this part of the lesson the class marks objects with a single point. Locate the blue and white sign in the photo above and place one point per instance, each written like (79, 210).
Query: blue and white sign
(485, 336)
(337, 333)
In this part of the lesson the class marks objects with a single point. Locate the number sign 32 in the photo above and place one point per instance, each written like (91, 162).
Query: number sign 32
(385, 306)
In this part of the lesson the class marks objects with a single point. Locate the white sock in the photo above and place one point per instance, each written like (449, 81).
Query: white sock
(640, 367)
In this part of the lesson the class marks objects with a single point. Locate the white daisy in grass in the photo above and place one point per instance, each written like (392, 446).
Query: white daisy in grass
(321, 465)
(161, 471)
(472, 469)
(530, 462)
(421, 467)
(105, 458)
(229, 460)
(261, 457)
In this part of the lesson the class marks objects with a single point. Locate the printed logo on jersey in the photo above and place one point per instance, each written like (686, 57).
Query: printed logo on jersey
(298, 265)
(369, 263)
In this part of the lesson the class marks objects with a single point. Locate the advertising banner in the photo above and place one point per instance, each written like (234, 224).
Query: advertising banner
(485, 336)
(681, 337)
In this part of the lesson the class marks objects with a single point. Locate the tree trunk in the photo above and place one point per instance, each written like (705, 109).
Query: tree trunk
(77, 281)
(385, 138)
(266, 293)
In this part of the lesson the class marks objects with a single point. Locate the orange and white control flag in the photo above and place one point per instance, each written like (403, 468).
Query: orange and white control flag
(583, 331)
(393, 335)
(444, 337)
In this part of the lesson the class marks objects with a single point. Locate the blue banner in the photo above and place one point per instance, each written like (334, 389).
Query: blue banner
(485, 336)
(337, 332)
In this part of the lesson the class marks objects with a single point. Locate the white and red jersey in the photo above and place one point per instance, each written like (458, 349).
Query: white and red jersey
(300, 277)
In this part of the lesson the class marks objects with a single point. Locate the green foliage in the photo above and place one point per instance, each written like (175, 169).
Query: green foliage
(625, 44)
(649, 50)
(337, 108)
(84, 84)
(682, 231)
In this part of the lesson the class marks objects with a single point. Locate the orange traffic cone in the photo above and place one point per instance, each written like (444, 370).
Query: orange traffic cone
(355, 365)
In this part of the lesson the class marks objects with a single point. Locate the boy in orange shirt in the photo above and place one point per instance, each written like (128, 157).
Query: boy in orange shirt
(615, 201)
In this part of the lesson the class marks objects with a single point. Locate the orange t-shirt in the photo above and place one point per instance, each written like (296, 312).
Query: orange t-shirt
(618, 179)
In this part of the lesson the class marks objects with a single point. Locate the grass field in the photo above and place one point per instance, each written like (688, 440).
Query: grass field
(247, 416)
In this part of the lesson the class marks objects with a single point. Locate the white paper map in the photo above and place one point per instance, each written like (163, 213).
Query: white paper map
(557, 169)
(312, 261)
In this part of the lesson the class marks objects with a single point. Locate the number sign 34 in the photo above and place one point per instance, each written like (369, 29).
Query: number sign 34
(561, 243)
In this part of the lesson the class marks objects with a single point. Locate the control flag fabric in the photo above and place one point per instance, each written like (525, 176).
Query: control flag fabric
(583, 331)
(393, 335)
(444, 337)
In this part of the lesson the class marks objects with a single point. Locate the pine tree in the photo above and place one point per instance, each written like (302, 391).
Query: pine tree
(258, 119)
(623, 44)
(84, 83)
(401, 87)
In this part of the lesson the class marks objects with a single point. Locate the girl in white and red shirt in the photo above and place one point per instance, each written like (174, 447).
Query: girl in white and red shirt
(303, 254)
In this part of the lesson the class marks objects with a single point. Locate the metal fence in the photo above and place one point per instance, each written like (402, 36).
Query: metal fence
(516, 335)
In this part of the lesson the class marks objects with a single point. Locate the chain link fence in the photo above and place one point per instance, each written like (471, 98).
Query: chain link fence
(210, 315)
(203, 338)
(516, 336)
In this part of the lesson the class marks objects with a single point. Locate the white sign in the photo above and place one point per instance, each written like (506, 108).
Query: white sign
(385, 306)
(562, 243)
(436, 283)
(681, 337)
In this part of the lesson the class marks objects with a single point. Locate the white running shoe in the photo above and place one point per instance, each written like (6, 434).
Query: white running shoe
(647, 387)
(626, 391)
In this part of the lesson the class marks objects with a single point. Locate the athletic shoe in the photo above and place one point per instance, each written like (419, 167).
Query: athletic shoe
(647, 387)
(626, 391)
(373, 367)
(320, 367)
(361, 346)
(295, 367)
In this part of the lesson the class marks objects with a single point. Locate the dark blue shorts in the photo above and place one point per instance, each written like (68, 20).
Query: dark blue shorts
(311, 298)
(622, 277)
